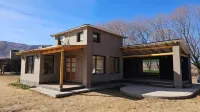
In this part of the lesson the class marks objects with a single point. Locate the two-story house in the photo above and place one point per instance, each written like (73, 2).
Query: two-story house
(91, 56)
(86, 55)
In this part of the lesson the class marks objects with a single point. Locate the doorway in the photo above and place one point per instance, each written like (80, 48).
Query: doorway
(70, 68)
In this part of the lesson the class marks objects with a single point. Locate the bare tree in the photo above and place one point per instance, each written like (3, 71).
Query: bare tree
(120, 27)
(183, 23)
(140, 30)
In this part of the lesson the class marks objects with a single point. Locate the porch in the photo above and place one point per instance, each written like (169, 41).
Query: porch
(62, 67)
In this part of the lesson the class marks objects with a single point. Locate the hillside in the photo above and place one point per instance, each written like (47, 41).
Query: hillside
(6, 46)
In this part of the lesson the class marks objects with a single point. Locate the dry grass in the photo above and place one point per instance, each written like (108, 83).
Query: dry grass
(13, 99)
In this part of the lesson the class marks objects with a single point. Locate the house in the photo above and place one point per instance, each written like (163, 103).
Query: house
(90, 56)
(12, 64)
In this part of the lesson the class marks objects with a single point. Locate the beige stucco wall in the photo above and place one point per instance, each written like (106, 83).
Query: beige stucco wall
(27, 78)
(71, 38)
(109, 46)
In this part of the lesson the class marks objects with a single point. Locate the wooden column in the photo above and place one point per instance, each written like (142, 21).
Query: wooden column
(61, 69)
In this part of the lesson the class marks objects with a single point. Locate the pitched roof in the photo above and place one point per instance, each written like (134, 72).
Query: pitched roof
(86, 25)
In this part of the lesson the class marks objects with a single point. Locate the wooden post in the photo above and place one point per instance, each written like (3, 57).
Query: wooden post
(61, 69)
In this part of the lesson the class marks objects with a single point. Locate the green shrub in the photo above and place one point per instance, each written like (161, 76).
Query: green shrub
(20, 85)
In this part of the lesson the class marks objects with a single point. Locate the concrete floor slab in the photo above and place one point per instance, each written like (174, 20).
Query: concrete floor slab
(146, 91)
(58, 94)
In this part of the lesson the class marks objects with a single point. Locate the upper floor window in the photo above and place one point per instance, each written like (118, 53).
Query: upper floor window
(96, 37)
(80, 37)
(30, 64)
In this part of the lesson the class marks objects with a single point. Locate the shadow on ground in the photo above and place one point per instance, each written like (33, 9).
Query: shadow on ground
(114, 92)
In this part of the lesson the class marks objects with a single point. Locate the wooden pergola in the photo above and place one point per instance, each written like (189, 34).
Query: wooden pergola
(55, 49)
(174, 48)
(154, 49)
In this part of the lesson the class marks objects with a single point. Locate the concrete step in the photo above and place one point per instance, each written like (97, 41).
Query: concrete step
(153, 83)
(63, 89)
(162, 85)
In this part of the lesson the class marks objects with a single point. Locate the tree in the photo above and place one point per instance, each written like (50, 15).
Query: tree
(182, 23)
(185, 23)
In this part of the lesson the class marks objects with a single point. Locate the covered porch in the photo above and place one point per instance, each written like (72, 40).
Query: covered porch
(162, 63)
(58, 67)
(66, 67)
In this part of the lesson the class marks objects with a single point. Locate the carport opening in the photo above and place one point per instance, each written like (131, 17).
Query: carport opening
(151, 66)
(156, 61)
(155, 68)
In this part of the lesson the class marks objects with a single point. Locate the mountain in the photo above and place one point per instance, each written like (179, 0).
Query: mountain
(6, 46)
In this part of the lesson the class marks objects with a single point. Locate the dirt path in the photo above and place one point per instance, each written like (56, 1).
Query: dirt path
(13, 99)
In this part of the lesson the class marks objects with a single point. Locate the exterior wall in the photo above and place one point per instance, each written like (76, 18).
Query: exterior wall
(13, 54)
(71, 38)
(109, 46)
(30, 79)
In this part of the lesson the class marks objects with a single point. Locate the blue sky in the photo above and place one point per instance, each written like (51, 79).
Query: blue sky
(32, 21)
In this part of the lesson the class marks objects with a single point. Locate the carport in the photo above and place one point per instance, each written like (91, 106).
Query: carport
(166, 62)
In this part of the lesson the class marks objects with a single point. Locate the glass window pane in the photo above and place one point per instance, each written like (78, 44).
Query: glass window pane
(100, 65)
(29, 64)
(96, 37)
(73, 64)
(93, 64)
(73, 69)
(81, 36)
(116, 65)
(112, 65)
(73, 59)
(68, 69)
(68, 64)
(68, 59)
(48, 64)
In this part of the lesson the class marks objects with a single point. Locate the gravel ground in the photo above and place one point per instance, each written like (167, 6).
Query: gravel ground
(13, 99)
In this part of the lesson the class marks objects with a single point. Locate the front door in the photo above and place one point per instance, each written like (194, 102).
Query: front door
(70, 68)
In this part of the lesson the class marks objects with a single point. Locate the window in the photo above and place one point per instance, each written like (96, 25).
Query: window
(114, 65)
(80, 37)
(48, 64)
(151, 66)
(98, 64)
(29, 64)
(96, 37)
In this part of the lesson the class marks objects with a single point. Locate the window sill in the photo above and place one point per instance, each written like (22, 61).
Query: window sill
(29, 73)
(47, 74)
(99, 74)
(115, 73)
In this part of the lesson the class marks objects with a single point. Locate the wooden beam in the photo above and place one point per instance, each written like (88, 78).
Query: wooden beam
(52, 51)
(184, 55)
(150, 55)
(148, 48)
(61, 69)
